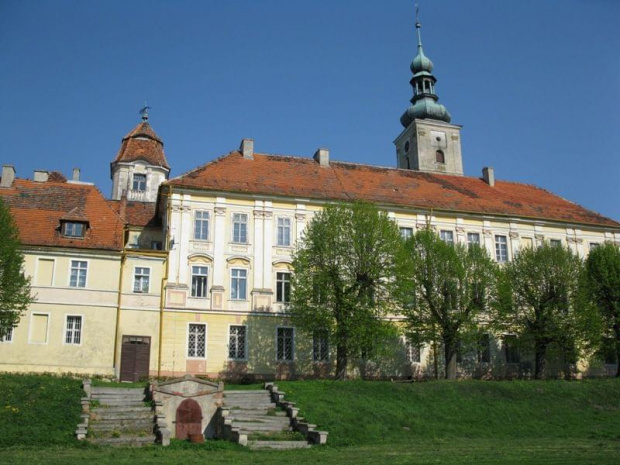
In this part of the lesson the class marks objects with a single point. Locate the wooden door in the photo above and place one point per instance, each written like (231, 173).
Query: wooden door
(135, 358)
(188, 419)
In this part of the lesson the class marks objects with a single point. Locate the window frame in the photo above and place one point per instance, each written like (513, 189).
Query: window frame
(289, 228)
(555, 242)
(322, 337)
(65, 228)
(498, 245)
(245, 224)
(409, 233)
(447, 233)
(142, 177)
(9, 338)
(283, 288)
(472, 234)
(148, 280)
(292, 355)
(245, 343)
(187, 342)
(410, 347)
(245, 289)
(483, 349)
(36, 271)
(80, 331)
(206, 281)
(510, 348)
(47, 334)
(77, 286)
(202, 229)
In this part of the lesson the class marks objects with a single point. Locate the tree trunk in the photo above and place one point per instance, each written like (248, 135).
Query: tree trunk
(617, 331)
(540, 364)
(450, 354)
(342, 361)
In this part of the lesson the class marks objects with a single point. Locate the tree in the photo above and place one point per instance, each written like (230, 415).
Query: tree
(448, 288)
(14, 285)
(540, 300)
(603, 285)
(346, 271)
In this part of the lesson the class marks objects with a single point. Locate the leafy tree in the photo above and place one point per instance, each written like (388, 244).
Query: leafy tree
(603, 284)
(540, 296)
(447, 289)
(14, 285)
(347, 267)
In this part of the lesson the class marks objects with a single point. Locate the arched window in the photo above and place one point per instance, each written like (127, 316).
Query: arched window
(439, 157)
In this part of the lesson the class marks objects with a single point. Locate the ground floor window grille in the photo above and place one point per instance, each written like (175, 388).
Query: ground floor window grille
(196, 341)
(513, 355)
(236, 342)
(8, 337)
(412, 351)
(320, 347)
(484, 349)
(284, 345)
(73, 334)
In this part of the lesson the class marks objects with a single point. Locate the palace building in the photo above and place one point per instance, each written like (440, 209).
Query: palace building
(192, 274)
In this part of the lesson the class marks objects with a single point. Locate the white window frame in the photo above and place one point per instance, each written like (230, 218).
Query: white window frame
(473, 233)
(202, 221)
(36, 271)
(47, 334)
(135, 275)
(8, 339)
(444, 234)
(65, 225)
(293, 348)
(85, 286)
(406, 232)
(187, 348)
(66, 326)
(245, 344)
(245, 296)
(133, 182)
(283, 301)
(409, 347)
(314, 344)
(498, 245)
(286, 241)
(206, 291)
(555, 242)
(247, 228)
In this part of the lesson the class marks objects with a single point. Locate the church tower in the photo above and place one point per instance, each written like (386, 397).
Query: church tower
(429, 142)
(140, 165)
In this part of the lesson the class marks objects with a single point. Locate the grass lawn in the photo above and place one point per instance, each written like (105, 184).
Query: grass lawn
(369, 422)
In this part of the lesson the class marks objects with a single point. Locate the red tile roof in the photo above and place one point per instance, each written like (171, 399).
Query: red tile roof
(303, 177)
(39, 207)
(142, 144)
(142, 214)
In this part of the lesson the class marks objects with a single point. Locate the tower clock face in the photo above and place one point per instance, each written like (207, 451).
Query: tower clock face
(438, 139)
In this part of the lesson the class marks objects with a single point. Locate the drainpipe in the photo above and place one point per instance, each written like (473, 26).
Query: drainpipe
(164, 281)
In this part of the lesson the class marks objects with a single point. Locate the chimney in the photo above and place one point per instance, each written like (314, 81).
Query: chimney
(76, 174)
(8, 176)
(321, 156)
(41, 175)
(247, 149)
(488, 175)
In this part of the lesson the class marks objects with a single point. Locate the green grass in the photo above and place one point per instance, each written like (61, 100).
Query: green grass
(369, 423)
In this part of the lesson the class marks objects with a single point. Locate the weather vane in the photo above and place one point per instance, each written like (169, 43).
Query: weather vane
(417, 15)
(144, 112)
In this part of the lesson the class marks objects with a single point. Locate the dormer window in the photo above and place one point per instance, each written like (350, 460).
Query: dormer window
(139, 182)
(73, 229)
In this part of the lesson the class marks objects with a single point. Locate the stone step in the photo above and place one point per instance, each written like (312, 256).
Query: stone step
(125, 441)
(138, 398)
(123, 408)
(260, 419)
(122, 403)
(280, 445)
(111, 425)
(106, 414)
(244, 393)
(257, 413)
(117, 392)
(262, 427)
(249, 406)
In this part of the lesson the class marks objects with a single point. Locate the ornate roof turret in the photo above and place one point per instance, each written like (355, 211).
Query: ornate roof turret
(142, 143)
(424, 101)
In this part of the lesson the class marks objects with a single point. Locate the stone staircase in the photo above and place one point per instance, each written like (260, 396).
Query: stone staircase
(120, 416)
(252, 413)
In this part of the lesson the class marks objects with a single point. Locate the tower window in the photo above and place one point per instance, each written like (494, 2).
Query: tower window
(139, 182)
(406, 146)
(440, 157)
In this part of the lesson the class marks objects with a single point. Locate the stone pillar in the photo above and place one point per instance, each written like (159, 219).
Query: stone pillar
(219, 260)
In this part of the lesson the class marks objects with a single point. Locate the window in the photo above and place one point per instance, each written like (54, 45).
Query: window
(156, 245)
(73, 331)
(412, 351)
(594, 245)
(283, 287)
(141, 279)
(238, 284)
(38, 328)
(484, 348)
(201, 226)
(199, 281)
(78, 273)
(284, 232)
(501, 249)
(284, 344)
(236, 342)
(439, 157)
(196, 340)
(555, 243)
(44, 275)
(8, 337)
(513, 355)
(473, 239)
(320, 346)
(406, 233)
(447, 236)
(240, 228)
(73, 229)
(139, 182)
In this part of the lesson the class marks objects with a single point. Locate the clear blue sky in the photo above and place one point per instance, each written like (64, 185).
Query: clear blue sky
(535, 83)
